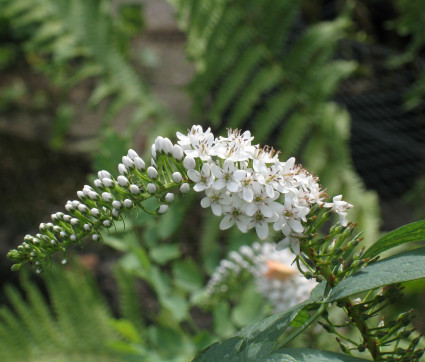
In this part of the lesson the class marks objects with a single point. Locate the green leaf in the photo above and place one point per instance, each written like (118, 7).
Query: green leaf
(164, 253)
(187, 275)
(126, 329)
(255, 342)
(405, 234)
(308, 354)
(250, 309)
(409, 265)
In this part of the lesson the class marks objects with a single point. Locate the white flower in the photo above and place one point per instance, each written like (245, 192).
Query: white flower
(234, 214)
(340, 207)
(203, 179)
(229, 176)
(260, 222)
(215, 199)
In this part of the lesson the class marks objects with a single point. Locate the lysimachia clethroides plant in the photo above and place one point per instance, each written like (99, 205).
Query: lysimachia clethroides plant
(250, 187)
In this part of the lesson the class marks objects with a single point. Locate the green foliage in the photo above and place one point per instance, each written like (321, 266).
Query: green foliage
(254, 71)
(409, 265)
(404, 234)
(72, 324)
(410, 23)
(78, 41)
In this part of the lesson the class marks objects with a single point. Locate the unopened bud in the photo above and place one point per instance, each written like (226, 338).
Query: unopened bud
(153, 151)
(116, 204)
(132, 154)
(87, 227)
(115, 213)
(81, 195)
(177, 152)
(74, 221)
(93, 195)
(98, 183)
(95, 237)
(177, 177)
(128, 163)
(73, 238)
(122, 181)
(158, 144)
(102, 174)
(184, 188)
(139, 163)
(167, 146)
(107, 223)
(83, 208)
(107, 196)
(189, 163)
(134, 189)
(122, 169)
(152, 173)
(163, 209)
(169, 197)
(128, 203)
(107, 182)
(151, 188)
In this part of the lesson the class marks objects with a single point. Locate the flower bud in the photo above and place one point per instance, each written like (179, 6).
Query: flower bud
(122, 181)
(189, 163)
(152, 173)
(115, 213)
(107, 196)
(122, 169)
(107, 223)
(159, 144)
(74, 221)
(134, 189)
(163, 209)
(139, 163)
(81, 195)
(128, 203)
(167, 145)
(107, 182)
(169, 197)
(67, 218)
(42, 227)
(177, 152)
(69, 207)
(57, 229)
(98, 183)
(132, 154)
(95, 212)
(153, 151)
(83, 208)
(103, 174)
(95, 237)
(75, 204)
(151, 188)
(87, 227)
(177, 177)
(63, 234)
(116, 204)
(87, 189)
(184, 188)
(128, 163)
(93, 195)
(64, 262)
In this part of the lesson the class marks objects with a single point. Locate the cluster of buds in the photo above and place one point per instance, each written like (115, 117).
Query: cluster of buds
(275, 278)
(387, 336)
(246, 184)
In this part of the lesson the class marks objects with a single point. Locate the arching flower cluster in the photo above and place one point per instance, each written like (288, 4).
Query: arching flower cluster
(251, 188)
(275, 278)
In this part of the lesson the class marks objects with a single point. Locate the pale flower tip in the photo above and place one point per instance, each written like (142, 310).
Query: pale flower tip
(189, 163)
(163, 209)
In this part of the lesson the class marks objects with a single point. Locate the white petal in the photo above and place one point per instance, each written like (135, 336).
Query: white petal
(216, 171)
(227, 222)
(216, 209)
(219, 184)
(269, 191)
(232, 186)
(262, 230)
(266, 210)
(239, 175)
(194, 175)
(199, 187)
(251, 209)
(206, 202)
(295, 246)
(248, 194)
(242, 224)
(296, 225)
(283, 244)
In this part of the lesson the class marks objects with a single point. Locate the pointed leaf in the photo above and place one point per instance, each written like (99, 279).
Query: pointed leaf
(405, 234)
(409, 265)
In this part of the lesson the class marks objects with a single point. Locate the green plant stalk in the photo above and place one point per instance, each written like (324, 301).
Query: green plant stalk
(355, 316)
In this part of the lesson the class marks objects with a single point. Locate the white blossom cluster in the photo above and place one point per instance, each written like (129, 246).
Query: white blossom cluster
(250, 187)
(276, 279)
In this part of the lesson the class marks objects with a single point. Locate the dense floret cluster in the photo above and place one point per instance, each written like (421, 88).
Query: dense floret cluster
(251, 188)
(275, 278)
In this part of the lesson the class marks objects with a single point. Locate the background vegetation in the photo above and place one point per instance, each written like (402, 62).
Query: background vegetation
(339, 84)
